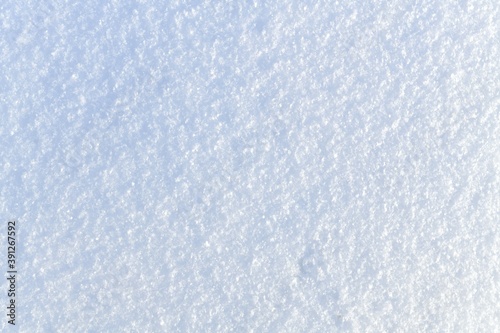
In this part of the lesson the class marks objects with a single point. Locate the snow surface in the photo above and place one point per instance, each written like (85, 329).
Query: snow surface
(252, 166)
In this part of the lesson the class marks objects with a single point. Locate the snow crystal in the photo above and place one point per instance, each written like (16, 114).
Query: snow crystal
(250, 166)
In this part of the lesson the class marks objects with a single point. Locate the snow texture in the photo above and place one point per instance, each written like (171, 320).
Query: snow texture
(252, 166)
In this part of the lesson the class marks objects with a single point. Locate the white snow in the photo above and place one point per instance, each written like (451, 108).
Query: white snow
(252, 166)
